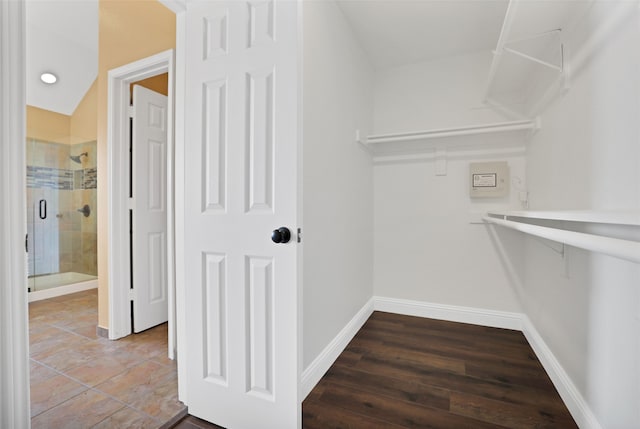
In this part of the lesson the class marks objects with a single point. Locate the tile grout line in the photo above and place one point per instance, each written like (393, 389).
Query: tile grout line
(126, 404)
(129, 407)
(150, 353)
(96, 390)
(69, 331)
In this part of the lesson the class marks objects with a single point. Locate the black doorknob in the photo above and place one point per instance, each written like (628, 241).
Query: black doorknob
(281, 235)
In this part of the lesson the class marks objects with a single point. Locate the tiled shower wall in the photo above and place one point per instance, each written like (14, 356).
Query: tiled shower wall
(66, 241)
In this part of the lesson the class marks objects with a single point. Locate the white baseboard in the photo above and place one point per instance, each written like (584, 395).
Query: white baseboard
(321, 364)
(452, 313)
(62, 290)
(571, 396)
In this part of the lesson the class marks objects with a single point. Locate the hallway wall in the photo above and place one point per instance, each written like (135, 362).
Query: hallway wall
(76, 128)
(84, 121)
(46, 125)
(129, 31)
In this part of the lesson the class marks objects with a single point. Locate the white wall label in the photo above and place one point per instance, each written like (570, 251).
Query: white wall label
(489, 179)
(484, 180)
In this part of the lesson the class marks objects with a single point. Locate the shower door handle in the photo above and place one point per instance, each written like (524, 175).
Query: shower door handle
(43, 209)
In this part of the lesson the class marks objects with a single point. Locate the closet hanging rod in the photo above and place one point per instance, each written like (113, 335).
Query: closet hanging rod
(455, 131)
(623, 249)
(534, 36)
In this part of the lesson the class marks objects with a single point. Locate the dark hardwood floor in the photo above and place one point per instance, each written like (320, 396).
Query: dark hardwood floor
(191, 422)
(411, 372)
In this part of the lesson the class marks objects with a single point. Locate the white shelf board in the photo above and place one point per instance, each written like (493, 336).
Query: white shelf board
(614, 217)
(499, 127)
(418, 141)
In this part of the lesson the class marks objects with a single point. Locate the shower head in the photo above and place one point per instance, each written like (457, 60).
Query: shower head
(76, 158)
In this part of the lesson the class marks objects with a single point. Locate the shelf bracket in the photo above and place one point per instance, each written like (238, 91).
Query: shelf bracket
(497, 55)
(534, 36)
(556, 246)
(504, 109)
(537, 60)
(559, 248)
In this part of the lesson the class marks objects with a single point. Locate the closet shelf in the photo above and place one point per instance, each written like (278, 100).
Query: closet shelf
(530, 62)
(624, 249)
(528, 66)
(614, 217)
(440, 136)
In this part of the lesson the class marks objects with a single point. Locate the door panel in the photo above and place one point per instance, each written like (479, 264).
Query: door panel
(241, 160)
(149, 236)
(260, 141)
(215, 94)
(214, 327)
(260, 335)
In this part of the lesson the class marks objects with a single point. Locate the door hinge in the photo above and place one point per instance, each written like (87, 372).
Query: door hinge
(299, 235)
(130, 110)
(132, 294)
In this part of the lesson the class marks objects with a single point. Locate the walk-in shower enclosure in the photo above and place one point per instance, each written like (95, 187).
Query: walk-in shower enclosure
(61, 213)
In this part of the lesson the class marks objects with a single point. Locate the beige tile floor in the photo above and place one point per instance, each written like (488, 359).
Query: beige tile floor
(79, 380)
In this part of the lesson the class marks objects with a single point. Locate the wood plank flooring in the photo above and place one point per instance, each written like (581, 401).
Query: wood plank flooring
(409, 372)
(191, 422)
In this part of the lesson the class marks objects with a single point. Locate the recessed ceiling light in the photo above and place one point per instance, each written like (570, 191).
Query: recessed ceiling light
(48, 78)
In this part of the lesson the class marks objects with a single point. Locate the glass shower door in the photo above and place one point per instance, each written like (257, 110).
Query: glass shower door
(43, 212)
(45, 247)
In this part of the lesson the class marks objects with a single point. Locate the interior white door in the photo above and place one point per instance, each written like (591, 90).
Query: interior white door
(149, 209)
(241, 161)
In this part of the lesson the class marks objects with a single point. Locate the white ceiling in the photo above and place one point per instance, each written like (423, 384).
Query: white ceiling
(396, 32)
(62, 37)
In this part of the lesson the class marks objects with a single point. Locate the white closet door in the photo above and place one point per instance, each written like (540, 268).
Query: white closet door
(241, 155)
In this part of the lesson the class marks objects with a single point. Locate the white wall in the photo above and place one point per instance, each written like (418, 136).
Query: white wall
(425, 247)
(587, 156)
(433, 94)
(338, 178)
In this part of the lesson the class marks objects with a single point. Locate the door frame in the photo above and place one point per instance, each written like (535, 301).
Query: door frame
(119, 81)
(14, 331)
